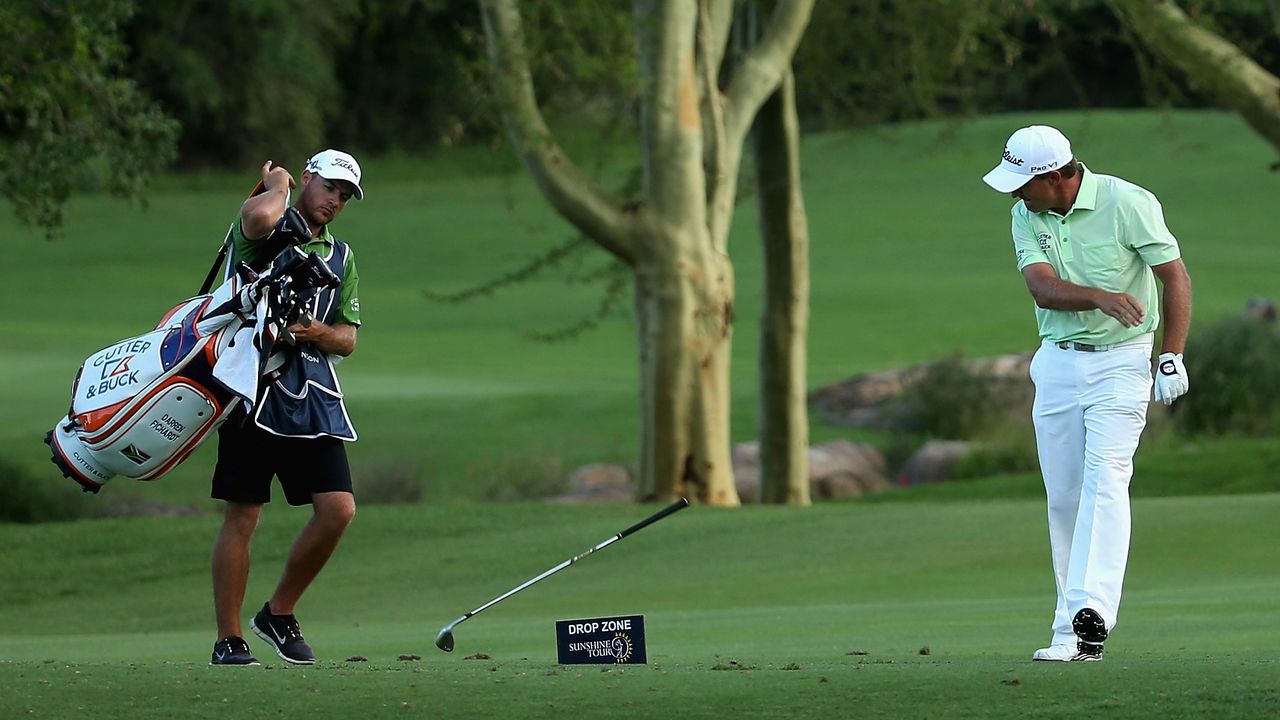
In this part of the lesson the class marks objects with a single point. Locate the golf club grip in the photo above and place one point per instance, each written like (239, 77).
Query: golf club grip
(678, 505)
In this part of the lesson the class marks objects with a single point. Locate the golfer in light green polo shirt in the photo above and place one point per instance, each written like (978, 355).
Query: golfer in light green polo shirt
(1109, 239)
(1090, 248)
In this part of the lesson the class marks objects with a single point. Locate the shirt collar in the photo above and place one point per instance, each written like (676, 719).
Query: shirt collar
(325, 236)
(1087, 197)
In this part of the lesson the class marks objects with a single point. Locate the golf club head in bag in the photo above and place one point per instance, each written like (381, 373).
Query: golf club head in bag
(299, 278)
(292, 229)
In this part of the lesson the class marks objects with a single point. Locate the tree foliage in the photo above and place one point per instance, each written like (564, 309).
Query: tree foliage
(68, 119)
(248, 79)
(87, 89)
(890, 60)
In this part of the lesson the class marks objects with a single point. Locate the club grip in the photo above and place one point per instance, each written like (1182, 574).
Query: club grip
(676, 506)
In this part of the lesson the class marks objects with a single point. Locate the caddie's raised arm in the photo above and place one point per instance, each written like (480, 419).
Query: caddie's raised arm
(260, 212)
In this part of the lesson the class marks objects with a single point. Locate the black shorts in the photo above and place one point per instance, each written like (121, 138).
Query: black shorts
(248, 457)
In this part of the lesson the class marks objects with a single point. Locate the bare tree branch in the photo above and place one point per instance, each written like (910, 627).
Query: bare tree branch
(1212, 63)
(718, 19)
(598, 214)
(549, 259)
(710, 53)
(762, 69)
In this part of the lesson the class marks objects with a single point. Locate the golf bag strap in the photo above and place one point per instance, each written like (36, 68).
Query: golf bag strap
(227, 243)
(217, 263)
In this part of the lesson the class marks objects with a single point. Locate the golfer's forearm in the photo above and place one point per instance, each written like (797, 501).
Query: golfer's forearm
(1176, 309)
(1052, 293)
(260, 212)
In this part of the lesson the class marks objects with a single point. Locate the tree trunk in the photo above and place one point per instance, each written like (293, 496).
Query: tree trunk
(690, 321)
(1211, 63)
(684, 322)
(675, 237)
(784, 320)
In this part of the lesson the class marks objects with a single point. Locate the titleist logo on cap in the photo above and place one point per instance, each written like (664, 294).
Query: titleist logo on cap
(1011, 158)
(342, 162)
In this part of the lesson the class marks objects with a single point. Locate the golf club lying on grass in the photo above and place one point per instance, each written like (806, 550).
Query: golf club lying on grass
(444, 640)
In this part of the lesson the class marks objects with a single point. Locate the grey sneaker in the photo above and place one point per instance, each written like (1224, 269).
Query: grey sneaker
(282, 632)
(232, 650)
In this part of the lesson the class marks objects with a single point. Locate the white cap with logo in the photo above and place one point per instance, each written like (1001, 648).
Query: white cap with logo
(336, 165)
(1029, 152)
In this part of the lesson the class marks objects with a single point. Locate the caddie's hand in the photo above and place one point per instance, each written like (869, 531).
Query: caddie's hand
(276, 178)
(1121, 306)
(307, 328)
(1171, 378)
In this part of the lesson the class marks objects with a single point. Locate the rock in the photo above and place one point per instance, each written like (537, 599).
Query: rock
(598, 483)
(862, 400)
(839, 468)
(746, 470)
(842, 468)
(1260, 308)
(858, 401)
(933, 462)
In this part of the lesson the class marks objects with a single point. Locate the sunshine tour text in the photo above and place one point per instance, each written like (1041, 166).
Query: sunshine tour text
(584, 628)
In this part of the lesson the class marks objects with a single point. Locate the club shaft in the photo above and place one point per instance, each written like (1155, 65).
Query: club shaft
(673, 507)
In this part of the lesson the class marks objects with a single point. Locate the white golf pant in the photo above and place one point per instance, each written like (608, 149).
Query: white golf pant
(1089, 411)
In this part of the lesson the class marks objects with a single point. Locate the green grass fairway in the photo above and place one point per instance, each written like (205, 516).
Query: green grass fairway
(911, 260)
(760, 612)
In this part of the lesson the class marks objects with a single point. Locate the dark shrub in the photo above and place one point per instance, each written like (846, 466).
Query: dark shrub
(953, 400)
(26, 497)
(1234, 368)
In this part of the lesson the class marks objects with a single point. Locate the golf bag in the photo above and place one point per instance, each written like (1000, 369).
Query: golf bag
(140, 406)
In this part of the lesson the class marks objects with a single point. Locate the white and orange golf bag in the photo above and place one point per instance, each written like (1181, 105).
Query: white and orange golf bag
(140, 406)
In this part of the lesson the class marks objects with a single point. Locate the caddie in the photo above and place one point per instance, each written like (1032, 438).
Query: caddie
(299, 425)
(1090, 248)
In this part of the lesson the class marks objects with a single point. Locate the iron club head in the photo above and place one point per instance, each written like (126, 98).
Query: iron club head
(444, 640)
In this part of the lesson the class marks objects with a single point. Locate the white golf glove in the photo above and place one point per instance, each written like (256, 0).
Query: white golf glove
(1171, 378)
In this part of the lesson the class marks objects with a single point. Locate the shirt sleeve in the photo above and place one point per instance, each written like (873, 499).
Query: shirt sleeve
(349, 299)
(1025, 246)
(246, 250)
(1146, 231)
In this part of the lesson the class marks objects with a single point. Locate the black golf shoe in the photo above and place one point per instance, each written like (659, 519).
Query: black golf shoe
(282, 632)
(232, 650)
(1091, 632)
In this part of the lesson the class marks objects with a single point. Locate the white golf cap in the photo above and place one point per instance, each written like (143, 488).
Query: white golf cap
(336, 165)
(1029, 152)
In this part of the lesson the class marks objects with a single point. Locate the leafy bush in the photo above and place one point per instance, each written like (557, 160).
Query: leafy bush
(1009, 447)
(515, 479)
(952, 400)
(389, 483)
(26, 498)
(1234, 368)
